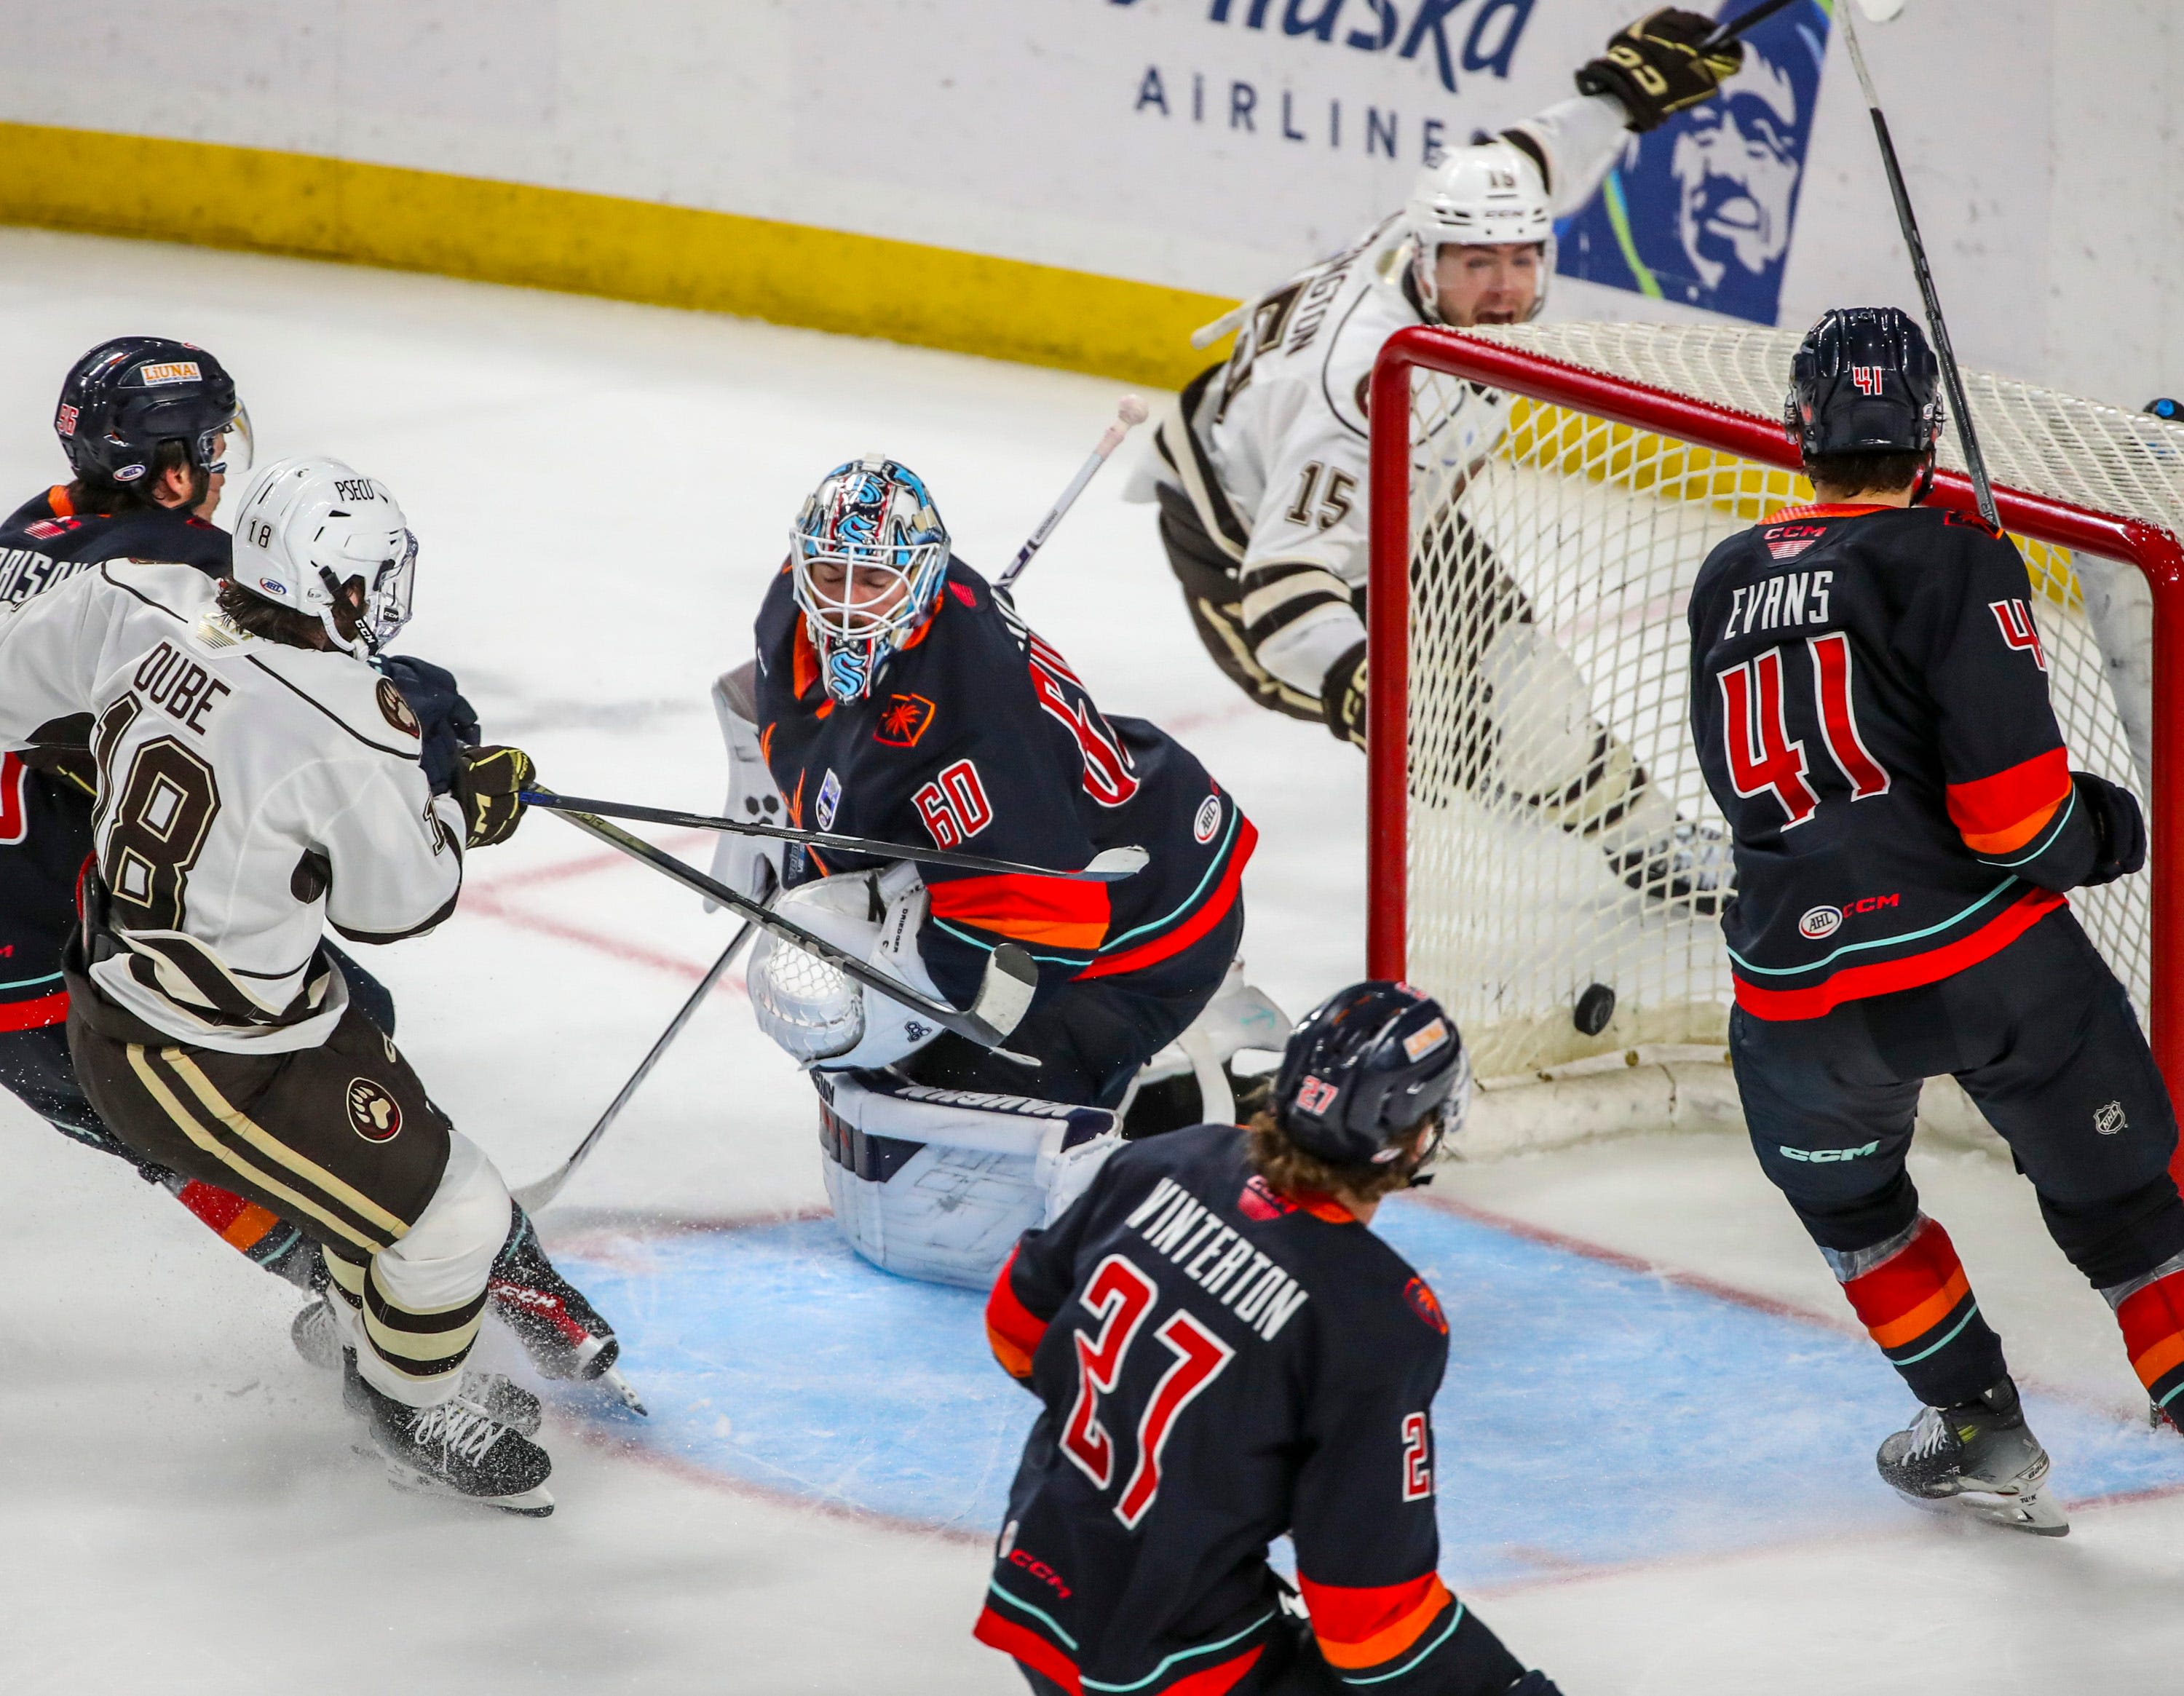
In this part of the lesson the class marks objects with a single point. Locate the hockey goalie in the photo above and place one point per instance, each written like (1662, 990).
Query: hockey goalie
(897, 697)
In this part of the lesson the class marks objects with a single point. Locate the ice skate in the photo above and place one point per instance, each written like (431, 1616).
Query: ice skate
(454, 1447)
(563, 1333)
(316, 1334)
(1979, 1458)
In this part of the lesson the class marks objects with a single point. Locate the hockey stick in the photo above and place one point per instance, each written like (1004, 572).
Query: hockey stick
(534, 1197)
(1127, 416)
(1109, 865)
(1003, 997)
(1967, 435)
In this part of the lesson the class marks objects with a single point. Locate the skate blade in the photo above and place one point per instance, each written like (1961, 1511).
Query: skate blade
(531, 1504)
(2034, 1512)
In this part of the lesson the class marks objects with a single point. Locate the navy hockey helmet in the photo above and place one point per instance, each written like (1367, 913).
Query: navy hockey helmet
(126, 397)
(1366, 1065)
(1863, 381)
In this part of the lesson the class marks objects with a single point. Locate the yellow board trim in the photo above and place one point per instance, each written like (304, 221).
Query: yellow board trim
(504, 232)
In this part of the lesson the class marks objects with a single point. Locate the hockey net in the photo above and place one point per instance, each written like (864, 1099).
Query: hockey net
(1532, 773)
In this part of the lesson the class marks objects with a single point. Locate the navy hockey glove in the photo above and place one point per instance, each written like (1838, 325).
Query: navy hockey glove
(2117, 822)
(449, 723)
(1655, 70)
(488, 782)
(1342, 696)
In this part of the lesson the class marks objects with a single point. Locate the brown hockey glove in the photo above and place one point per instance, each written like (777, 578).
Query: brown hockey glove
(1654, 68)
(486, 781)
(2117, 822)
(1342, 696)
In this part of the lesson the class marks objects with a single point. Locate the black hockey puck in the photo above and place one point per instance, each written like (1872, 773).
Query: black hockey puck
(1594, 1008)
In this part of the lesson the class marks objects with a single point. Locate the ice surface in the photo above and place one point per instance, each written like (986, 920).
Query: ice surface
(601, 492)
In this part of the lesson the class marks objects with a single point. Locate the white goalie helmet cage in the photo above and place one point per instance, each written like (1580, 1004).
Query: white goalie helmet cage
(818, 1013)
(1480, 196)
(306, 527)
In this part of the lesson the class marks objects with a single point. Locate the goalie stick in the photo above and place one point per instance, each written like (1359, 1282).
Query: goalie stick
(1109, 865)
(534, 1197)
(1003, 999)
(1952, 377)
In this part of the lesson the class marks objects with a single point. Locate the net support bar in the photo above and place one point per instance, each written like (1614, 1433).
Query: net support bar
(2155, 551)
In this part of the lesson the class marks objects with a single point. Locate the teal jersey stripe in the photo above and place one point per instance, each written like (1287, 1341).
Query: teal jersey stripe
(32, 982)
(1180, 1654)
(1044, 1618)
(1454, 1620)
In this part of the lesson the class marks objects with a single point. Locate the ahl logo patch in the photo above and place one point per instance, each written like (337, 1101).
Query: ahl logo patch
(274, 587)
(396, 710)
(1208, 819)
(903, 720)
(373, 1114)
(830, 799)
(1820, 921)
(2110, 1119)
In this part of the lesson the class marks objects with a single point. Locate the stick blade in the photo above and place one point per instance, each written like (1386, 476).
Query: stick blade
(532, 1198)
(1111, 866)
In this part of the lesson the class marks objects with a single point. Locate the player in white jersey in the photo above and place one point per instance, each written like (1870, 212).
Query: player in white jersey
(1261, 472)
(257, 781)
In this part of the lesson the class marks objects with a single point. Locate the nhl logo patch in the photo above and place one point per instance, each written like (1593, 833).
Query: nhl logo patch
(2108, 1121)
(396, 710)
(373, 1114)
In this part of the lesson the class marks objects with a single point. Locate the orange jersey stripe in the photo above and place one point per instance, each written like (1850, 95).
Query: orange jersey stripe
(1060, 912)
(2000, 813)
(1211, 913)
(1360, 1626)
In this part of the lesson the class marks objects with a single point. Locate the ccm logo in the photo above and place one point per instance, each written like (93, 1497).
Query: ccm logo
(1040, 1569)
(1822, 1157)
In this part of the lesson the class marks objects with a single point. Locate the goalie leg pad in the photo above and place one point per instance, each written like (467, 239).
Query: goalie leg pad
(939, 1184)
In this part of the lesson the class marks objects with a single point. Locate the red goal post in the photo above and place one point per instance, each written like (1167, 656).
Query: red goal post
(1501, 361)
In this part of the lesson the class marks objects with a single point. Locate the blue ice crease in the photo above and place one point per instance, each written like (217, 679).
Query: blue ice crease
(1592, 1415)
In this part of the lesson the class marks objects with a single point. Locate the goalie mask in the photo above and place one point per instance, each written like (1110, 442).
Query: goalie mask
(1481, 196)
(306, 528)
(1366, 1066)
(817, 1012)
(869, 552)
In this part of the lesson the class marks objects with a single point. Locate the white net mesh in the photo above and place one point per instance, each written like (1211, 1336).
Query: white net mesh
(1561, 835)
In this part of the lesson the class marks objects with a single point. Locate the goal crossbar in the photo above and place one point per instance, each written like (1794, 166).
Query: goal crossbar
(2153, 549)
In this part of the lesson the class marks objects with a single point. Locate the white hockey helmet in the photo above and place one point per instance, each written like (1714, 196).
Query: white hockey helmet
(306, 527)
(819, 1014)
(1479, 196)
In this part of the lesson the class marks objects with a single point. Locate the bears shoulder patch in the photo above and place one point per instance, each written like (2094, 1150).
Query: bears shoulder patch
(396, 710)
(1426, 1305)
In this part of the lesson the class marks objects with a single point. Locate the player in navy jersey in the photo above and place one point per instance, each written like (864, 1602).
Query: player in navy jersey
(1869, 699)
(1225, 1353)
(152, 429)
(899, 696)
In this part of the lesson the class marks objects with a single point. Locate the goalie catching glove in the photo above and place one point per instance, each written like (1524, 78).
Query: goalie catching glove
(488, 784)
(819, 1015)
(1659, 66)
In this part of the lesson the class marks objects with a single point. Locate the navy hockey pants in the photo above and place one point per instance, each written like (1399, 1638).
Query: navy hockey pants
(2042, 1036)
